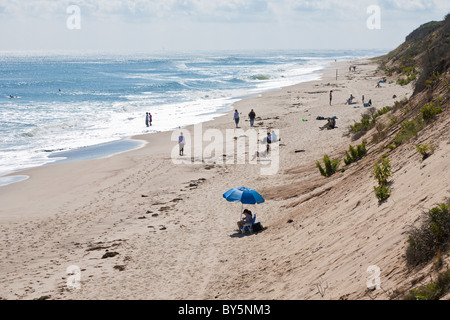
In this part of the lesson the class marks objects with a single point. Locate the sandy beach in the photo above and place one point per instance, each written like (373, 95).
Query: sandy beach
(138, 226)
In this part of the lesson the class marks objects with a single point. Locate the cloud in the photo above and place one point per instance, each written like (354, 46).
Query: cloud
(414, 5)
(130, 10)
(212, 10)
(214, 23)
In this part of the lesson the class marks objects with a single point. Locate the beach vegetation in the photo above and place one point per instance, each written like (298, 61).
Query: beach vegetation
(433, 291)
(330, 166)
(447, 85)
(425, 150)
(380, 134)
(389, 71)
(433, 79)
(382, 111)
(431, 237)
(405, 81)
(366, 123)
(408, 130)
(408, 70)
(368, 120)
(381, 172)
(391, 147)
(392, 120)
(400, 104)
(354, 154)
(430, 110)
(382, 192)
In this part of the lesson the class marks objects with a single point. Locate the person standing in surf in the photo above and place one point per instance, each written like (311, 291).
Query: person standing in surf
(147, 119)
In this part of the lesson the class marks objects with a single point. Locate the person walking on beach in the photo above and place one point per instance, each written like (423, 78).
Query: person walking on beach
(236, 117)
(252, 116)
(147, 119)
(331, 96)
(269, 141)
(181, 142)
(150, 118)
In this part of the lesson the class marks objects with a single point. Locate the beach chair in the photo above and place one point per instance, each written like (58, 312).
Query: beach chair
(248, 227)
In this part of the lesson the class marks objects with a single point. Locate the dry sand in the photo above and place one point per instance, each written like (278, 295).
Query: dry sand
(139, 226)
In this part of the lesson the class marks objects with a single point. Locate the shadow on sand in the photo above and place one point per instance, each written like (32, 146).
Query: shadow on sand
(237, 234)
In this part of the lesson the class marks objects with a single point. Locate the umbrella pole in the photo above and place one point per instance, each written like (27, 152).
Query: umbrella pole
(240, 213)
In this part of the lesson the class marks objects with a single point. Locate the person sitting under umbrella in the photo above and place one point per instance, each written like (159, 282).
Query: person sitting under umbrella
(244, 220)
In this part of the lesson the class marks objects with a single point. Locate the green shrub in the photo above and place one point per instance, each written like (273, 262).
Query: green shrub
(405, 81)
(368, 119)
(429, 238)
(408, 130)
(429, 82)
(389, 71)
(391, 147)
(354, 154)
(381, 172)
(432, 291)
(331, 166)
(409, 72)
(392, 120)
(425, 150)
(382, 192)
(440, 223)
(382, 111)
(364, 125)
(429, 111)
(399, 104)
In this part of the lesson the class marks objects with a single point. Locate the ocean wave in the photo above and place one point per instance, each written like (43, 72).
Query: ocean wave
(260, 77)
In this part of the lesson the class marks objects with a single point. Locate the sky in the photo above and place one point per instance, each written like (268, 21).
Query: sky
(180, 25)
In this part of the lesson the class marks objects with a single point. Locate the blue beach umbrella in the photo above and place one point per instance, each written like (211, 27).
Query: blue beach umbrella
(243, 195)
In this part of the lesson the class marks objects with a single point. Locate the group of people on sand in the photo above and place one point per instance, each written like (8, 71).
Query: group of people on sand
(271, 135)
(148, 119)
(251, 117)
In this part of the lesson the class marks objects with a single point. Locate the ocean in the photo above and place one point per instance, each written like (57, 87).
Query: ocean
(53, 104)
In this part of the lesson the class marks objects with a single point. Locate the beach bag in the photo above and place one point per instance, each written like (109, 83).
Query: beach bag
(257, 227)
